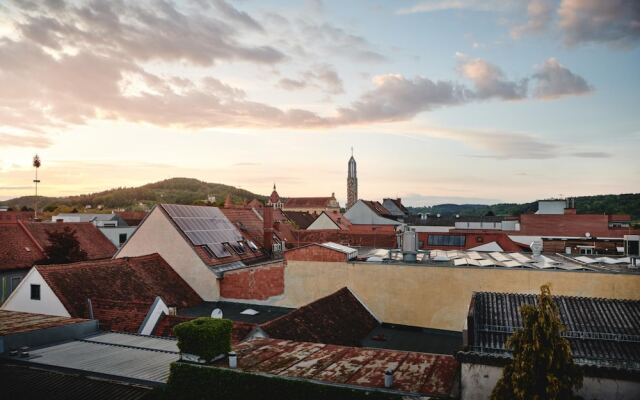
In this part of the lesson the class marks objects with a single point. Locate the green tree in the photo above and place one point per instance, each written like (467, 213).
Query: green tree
(542, 367)
(64, 247)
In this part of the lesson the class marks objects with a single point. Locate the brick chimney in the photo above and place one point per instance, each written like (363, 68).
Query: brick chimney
(268, 229)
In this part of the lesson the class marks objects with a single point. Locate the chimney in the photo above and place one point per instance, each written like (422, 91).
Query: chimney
(268, 229)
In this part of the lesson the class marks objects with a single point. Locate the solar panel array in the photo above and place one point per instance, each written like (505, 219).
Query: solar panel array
(206, 226)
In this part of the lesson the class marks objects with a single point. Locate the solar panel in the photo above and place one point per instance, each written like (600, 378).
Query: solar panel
(218, 250)
(205, 226)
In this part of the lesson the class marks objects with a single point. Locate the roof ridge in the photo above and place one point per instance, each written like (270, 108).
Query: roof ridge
(560, 296)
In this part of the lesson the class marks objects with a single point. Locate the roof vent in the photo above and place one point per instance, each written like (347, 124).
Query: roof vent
(216, 313)
(536, 248)
(388, 378)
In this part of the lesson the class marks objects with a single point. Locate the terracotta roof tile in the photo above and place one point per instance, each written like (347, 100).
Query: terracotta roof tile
(339, 318)
(339, 219)
(249, 256)
(17, 249)
(308, 202)
(120, 316)
(91, 240)
(300, 219)
(135, 280)
(17, 322)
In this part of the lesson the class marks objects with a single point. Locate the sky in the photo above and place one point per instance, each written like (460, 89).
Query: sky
(463, 101)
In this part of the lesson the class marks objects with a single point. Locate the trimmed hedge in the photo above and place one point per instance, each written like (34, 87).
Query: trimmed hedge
(192, 382)
(205, 337)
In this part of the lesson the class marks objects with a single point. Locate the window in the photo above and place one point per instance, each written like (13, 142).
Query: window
(446, 240)
(35, 292)
(15, 281)
(122, 238)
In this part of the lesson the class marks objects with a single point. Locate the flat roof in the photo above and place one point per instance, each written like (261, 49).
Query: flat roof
(233, 311)
(413, 373)
(410, 338)
(12, 322)
(124, 357)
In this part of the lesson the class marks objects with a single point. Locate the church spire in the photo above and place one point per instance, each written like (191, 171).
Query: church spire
(352, 182)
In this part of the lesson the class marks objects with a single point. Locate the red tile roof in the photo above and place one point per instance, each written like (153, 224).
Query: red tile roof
(415, 373)
(339, 318)
(300, 219)
(13, 216)
(340, 220)
(134, 280)
(120, 316)
(255, 203)
(274, 197)
(18, 250)
(385, 238)
(308, 202)
(91, 240)
(247, 221)
(249, 256)
(17, 322)
(377, 208)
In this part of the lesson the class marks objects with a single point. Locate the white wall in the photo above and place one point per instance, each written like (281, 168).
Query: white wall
(361, 214)
(113, 234)
(158, 309)
(478, 381)
(158, 235)
(322, 222)
(425, 228)
(20, 299)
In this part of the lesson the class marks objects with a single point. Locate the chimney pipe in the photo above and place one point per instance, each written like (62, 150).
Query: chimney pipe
(388, 378)
(268, 229)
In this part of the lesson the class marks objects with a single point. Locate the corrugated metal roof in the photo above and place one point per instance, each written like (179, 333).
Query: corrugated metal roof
(414, 373)
(112, 354)
(349, 251)
(20, 382)
(601, 331)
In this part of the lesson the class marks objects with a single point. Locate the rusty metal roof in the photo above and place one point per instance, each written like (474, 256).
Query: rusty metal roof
(414, 373)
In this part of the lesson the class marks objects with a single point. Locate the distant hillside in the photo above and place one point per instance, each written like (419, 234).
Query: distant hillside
(174, 190)
(600, 204)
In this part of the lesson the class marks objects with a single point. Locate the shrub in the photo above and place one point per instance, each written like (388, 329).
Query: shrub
(205, 337)
(193, 382)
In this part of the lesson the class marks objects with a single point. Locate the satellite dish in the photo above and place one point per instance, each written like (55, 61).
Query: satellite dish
(216, 313)
(587, 235)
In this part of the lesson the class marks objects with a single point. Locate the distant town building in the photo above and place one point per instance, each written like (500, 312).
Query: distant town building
(364, 212)
(113, 226)
(352, 182)
(311, 205)
(396, 208)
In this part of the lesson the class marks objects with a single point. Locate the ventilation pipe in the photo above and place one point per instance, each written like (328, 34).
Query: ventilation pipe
(233, 360)
(409, 246)
(536, 249)
(388, 378)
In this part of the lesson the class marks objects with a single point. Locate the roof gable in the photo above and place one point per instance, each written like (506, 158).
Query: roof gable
(339, 319)
(91, 240)
(133, 280)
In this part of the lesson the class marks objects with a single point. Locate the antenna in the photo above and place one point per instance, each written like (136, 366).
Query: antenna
(36, 164)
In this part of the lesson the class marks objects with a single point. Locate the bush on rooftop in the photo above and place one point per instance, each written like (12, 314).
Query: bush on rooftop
(205, 337)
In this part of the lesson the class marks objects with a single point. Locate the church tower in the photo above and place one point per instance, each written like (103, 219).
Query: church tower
(352, 182)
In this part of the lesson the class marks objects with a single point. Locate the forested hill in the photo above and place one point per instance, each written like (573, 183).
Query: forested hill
(174, 190)
(607, 204)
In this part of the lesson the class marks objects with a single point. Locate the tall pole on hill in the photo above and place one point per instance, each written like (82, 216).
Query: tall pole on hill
(36, 164)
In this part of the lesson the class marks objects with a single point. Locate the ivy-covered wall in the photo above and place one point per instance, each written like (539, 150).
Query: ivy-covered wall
(193, 382)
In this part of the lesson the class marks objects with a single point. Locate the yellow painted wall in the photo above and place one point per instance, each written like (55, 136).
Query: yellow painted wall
(438, 297)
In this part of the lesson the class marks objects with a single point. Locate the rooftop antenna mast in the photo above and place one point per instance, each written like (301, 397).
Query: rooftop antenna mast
(36, 164)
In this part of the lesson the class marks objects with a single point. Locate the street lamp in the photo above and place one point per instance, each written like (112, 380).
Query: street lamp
(36, 164)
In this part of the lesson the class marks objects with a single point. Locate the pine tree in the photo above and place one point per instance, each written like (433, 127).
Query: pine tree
(542, 367)
(64, 247)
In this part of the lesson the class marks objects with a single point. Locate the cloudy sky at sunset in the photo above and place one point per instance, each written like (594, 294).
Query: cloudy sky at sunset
(442, 100)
